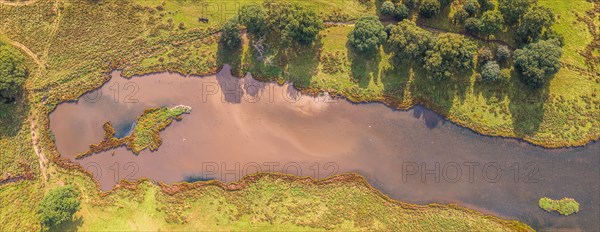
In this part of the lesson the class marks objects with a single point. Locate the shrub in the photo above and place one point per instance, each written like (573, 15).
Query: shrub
(533, 23)
(491, 22)
(408, 40)
(429, 8)
(502, 53)
(471, 7)
(253, 17)
(460, 16)
(536, 62)
(484, 55)
(230, 35)
(58, 206)
(512, 10)
(368, 34)
(410, 4)
(491, 71)
(450, 52)
(472, 25)
(401, 12)
(387, 8)
(486, 5)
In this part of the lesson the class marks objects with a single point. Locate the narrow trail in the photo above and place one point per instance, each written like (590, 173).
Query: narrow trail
(43, 161)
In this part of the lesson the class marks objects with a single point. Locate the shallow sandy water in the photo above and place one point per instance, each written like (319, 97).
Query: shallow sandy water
(239, 126)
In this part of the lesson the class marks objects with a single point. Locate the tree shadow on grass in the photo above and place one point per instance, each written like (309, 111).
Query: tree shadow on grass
(71, 225)
(526, 107)
(302, 63)
(439, 94)
(12, 115)
(396, 79)
(363, 66)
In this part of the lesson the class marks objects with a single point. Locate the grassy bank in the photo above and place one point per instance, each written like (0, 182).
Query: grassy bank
(73, 44)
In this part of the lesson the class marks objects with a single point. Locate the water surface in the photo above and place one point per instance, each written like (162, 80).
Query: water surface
(241, 126)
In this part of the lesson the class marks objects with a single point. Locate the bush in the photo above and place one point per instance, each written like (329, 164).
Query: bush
(58, 206)
(12, 73)
(410, 4)
(491, 22)
(552, 35)
(472, 25)
(293, 22)
(407, 40)
(429, 8)
(502, 53)
(533, 23)
(536, 62)
(471, 7)
(486, 5)
(230, 35)
(368, 34)
(460, 16)
(387, 8)
(450, 52)
(401, 12)
(253, 17)
(484, 55)
(491, 71)
(512, 10)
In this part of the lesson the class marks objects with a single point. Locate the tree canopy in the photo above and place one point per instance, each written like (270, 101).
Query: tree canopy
(490, 71)
(410, 41)
(253, 17)
(534, 22)
(491, 23)
(230, 35)
(58, 206)
(387, 8)
(429, 8)
(512, 10)
(295, 22)
(450, 52)
(401, 12)
(368, 34)
(537, 62)
(12, 72)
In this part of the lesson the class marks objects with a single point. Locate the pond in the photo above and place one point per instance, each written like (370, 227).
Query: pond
(241, 126)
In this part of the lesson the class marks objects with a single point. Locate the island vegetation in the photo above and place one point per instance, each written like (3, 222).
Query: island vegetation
(512, 86)
(145, 134)
(565, 206)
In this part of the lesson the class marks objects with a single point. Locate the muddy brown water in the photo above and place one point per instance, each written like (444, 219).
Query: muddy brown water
(241, 126)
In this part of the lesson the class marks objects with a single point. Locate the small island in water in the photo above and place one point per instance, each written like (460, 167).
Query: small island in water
(565, 206)
(144, 134)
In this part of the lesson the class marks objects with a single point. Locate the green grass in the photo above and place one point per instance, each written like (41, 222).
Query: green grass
(78, 42)
(565, 206)
(269, 202)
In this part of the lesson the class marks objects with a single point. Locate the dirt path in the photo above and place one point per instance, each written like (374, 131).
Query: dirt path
(41, 157)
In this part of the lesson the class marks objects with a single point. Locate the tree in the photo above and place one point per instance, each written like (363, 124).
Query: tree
(534, 22)
(484, 55)
(537, 62)
(491, 71)
(230, 35)
(472, 25)
(410, 4)
(253, 16)
(59, 205)
(12, 73)
(410, 41)
(293, 22)
(471, 7)
(450, 52)
(401, 12)
(512, 10)
(460, 16)
(429, 8)
(502, 53)
(486, 5)
(368, 34)
(387, 8)
(491, 22)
